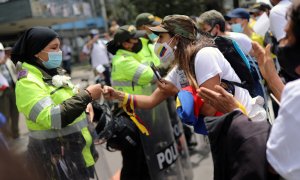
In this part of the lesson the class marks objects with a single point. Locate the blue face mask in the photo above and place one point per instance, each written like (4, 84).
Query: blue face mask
(237, 28)
(54, 60)
(153, 37)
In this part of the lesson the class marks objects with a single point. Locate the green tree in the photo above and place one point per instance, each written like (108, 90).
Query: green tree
(126, 10)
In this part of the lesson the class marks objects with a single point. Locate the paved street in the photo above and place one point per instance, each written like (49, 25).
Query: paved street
(109, 163)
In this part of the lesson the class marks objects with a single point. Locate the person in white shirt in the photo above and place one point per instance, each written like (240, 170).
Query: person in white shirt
(283, 144)
(278, 18)
(98, 54)
(214, 23)
(67, 56)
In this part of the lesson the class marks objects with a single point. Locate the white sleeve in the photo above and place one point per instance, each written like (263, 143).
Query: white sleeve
(277, 25)
(283, 144)
(245, 43)
(206, 64)
(172, 76)
(85, 50)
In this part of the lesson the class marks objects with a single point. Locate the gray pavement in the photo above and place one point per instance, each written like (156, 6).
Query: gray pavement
(110, 163)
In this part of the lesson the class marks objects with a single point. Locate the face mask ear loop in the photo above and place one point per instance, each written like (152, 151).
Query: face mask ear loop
(170, 41)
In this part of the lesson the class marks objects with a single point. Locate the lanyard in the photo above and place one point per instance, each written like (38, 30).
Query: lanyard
(128, 106)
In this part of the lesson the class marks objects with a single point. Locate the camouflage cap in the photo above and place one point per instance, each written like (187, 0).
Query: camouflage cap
(127, 32)
(177, 24)
(146, 19)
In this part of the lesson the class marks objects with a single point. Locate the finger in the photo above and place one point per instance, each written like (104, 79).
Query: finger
(207, 94)
(164, 81)
(268, 51)
(222, 91)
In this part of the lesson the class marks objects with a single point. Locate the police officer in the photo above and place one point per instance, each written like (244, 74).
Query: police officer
(143, 22)
(60, 144)
(129, 74)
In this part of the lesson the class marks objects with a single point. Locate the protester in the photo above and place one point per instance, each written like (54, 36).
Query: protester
(67, 55)
(7, 96)
(284, 133)
(239, 19)
(214, 23)
(99, 55)
(60, 144)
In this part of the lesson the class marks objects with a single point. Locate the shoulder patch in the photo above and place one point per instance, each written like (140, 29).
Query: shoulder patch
(22, 74)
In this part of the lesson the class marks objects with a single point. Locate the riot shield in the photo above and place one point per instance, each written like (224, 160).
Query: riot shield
(160, 148)
(180, 140)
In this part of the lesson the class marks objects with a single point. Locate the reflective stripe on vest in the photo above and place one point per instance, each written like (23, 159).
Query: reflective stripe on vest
(138, 73)
(55, 117)
(38, 107)
(48, 134)
(121, 83)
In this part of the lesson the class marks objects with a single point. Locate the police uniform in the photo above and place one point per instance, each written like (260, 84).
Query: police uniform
(60, 144)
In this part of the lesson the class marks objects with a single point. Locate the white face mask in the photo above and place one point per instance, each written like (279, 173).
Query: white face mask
(164, 52)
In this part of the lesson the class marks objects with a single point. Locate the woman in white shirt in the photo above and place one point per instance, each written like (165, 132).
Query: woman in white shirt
(197, 63)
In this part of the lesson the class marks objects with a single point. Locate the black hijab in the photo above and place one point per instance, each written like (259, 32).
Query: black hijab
(30, 43)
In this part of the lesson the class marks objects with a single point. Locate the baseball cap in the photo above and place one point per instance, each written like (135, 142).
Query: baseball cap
(127, 32)
(146, 19)
(238, 13)
(177, 24)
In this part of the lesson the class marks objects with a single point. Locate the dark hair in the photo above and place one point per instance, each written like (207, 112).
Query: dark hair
(295, 20)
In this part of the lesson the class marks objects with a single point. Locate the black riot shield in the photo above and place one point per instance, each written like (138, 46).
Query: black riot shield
(160, 147)
(180, 140)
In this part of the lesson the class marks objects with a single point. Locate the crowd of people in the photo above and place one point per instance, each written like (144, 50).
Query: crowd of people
(213, 74)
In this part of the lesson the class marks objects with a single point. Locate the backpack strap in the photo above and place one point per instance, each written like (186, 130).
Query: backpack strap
(229, 86)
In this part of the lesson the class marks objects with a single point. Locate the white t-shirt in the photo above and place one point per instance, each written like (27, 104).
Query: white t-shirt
(283, 147)
(209, 62)
(98, 55)
(278, 19)
(244, 42)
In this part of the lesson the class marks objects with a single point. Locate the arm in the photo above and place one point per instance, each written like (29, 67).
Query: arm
(142, 101)
(268, 70)
(34, 101)
(207, 109)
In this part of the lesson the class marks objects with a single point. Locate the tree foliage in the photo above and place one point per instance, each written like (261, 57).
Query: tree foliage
(125, 11)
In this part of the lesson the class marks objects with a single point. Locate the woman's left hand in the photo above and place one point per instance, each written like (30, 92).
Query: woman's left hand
(220, 99)
(90, 111)
(167, 87)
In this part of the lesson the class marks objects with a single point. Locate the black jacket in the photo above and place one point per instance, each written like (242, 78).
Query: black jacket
(238, 147)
